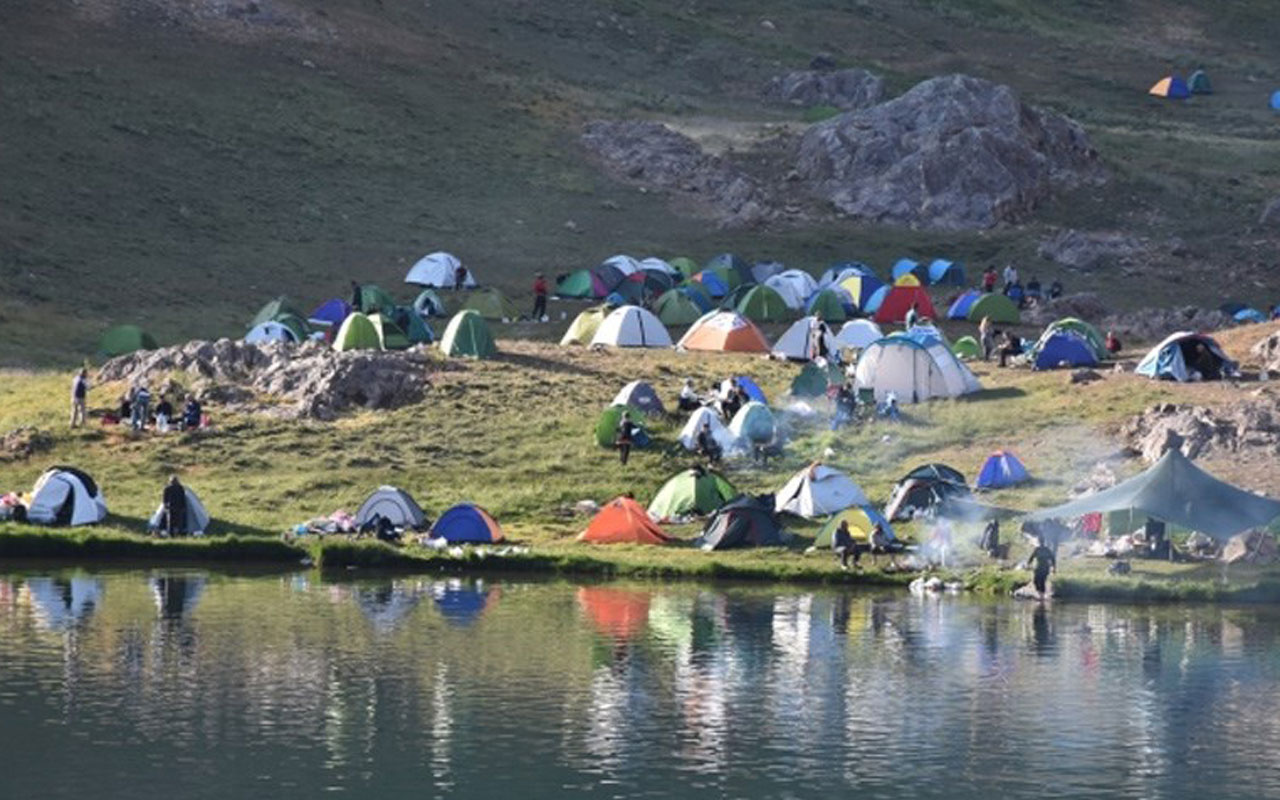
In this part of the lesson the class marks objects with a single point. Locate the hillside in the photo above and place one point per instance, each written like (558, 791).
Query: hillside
(177, 163)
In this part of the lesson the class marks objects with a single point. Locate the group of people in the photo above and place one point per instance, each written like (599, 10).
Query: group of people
(1033, 292)
(135, 408)
(879, 542)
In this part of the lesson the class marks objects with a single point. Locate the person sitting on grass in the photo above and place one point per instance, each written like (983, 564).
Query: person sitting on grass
(881, 541)
(731, 402)
(688, 400)
(1010, 347)
(164, 414)
(889, 408)
(845, 548)
(191, 413)
(707, 446)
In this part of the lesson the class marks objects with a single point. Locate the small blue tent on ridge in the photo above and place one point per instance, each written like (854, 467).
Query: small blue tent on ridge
(945, 273)
(1002, 469)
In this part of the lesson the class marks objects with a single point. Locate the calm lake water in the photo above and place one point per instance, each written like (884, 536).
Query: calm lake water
(200, 685)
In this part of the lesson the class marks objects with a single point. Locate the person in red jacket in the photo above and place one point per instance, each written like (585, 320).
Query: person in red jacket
(989, 280)
(539, 297)
(1112, 343)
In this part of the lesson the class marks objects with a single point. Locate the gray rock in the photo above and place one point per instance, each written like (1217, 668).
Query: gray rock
(24, 442)
(1197, 430)
(1083, 305)
(1271, 213)
(846, 89)
(1267, 351)
(1087, 251)
(953, 153)
(1153, 324)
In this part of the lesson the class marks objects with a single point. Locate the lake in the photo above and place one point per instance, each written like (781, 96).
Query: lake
(196, 684)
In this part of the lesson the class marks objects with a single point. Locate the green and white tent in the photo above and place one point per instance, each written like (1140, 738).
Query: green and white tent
(467, 335)
(694, 491)
(491, 304)
(358, 332)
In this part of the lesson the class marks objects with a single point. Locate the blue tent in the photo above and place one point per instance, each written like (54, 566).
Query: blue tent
(330, 313)
(466, 523)
(872, 305)
(1000, 470)
(945, 273)
(1065, 347)
(460, 604)
(752, 389)
(906, 265)
(1231, 307)
(712, 283)
(733, 262)
(960, 308)
(1275, 101)
(1169, 359)
(696, 297)
(1249, 315)
(843, 269)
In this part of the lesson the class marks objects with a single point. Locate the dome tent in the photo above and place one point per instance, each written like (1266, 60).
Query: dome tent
(753, 390)
(689, 433)
(466, 523)
(1198, 82)
(492, 304)
(814, 380)
(197, 521)
(763, 304)
(831, 305)
(724, 331)
(124, 339)
(584, 326)
(394, 505)
(330, 314)
(794, 286)
(272, 311)
(743, 522)
(945, 273)
(581, 284)
(270, 331)
(712, 283)
(959, 308)
(1170, 87)
(677, 307)
(467, 335)
(842, 270)
(818, 490)
(623, 521)
(606, 430)
(912, 371)
(357, 333)
(438, 269)
(905, 293)
(861, 519)
(862, 288)
(1176, 358)
(1063, 348)
(641, 395)
(924, 488)
(66, 496)
(966, 348)
(796, 344)
(1080, 328)
(631, 326)
(694, 491)
(429, 304)
(1001, 469)
(995, 307)
(909, 266)
(858, 334)
(375, 300)
(754, 424)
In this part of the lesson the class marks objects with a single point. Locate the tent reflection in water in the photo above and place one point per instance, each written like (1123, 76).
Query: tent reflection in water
(176, 595)
(387, 605)
(617, 613)
(462, 602)
(62, 603)
(1178, 492)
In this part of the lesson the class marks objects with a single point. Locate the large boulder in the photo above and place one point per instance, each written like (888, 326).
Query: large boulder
(1153, 324)
(1081, 250)
(846, 89)
(1247, 426)
(1267, 350)
(1082, 305)
(954, 152)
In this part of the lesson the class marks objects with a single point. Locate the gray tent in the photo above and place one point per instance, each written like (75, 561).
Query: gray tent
(394, 504)
(1178, 492)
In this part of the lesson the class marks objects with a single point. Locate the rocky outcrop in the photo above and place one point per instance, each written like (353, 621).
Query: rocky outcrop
(846, 89)
(952, 153)
(1082, 305)
(1252, 425)
(24, 442)
(1080, 250)
(308, 380)
(1267, 351)
(653, 155)
(1153, 324)
(1271, 214)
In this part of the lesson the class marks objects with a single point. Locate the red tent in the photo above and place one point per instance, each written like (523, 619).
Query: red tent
(899, 301)
(623, 520)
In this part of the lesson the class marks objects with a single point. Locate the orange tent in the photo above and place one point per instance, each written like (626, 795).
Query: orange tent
(724, 331)
(619, 613)
(623, 521)
(899, 301)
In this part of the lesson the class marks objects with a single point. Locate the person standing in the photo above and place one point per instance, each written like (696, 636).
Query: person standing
(990, 541)
(1010, 275)
(175, 507)
(141, 410)
(626, 437)
(357, 296)
(986, 338)
(1113, 343)
(1045, 562)
(459, 278)
(913, 316)
(539, 297)
(79, 396)
(989, 279)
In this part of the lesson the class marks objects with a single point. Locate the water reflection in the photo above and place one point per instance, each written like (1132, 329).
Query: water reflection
(159, 682)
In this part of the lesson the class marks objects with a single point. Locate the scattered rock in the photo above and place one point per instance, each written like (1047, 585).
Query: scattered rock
(954, 152)
(22, 443)
(1082, 305)
(1197, 430)
(1102, 477)
(1084, 376)
(1153, 324)
(1087, 251)
(1250, 547)
(822, 62)
(846, 89)
(307, 380)
(1271, 213)
(1267, 351)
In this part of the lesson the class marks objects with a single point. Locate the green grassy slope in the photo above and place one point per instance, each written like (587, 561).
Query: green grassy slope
(179, 173)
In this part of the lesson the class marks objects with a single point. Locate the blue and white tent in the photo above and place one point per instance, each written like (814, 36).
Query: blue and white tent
(1002, 469)
(960, 308)
(945, 273)
(1063, 348)
(1174, 359)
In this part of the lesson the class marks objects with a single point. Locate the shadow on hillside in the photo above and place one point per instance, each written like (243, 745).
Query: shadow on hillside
(546, 364)
(1003, 393)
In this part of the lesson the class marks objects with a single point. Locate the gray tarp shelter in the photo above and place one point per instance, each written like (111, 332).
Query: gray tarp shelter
(1178, 492)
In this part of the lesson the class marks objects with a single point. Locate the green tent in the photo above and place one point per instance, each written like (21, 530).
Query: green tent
(584, 326)
(694, 491)
(414, 326)
(1199, 83)
(696, 286)
(358, 332)
(375, 300)
(272, 312)
(607, 425)
(685, 266)
(812, 381)
(125, 339)
(491, 304)
(966, 347)
(1083, 329)
(579, 285)
(468, 335)
(393, 338)
(296, 325)
(828, 306)
(861, 520)
(674, 307)
(763, 304)
(995, 307)
(727, 274)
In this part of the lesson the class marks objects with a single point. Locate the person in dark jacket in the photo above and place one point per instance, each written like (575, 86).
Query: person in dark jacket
(1045, 562)
(990, 541)
(707, 444)
(79, 396)
(843, 545)
(191, 413)
(539, 297)
(175, 508)
(626, 437)
(459, 278)
(357, 296)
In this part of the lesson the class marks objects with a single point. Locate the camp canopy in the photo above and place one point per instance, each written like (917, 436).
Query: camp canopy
(466, 523)
(641, 395)
(623, 521)
(1171, 88)
(66, 496)
(1176, 359)
(694, 491)
(584, 326)
(124, 339)
(743, 522)
(439, 270)
(467, 335)
(763, 304)
(912, 371)
(631, 326)
(818, 490)
(899, 300)
(357, 333)
(724, 331)
(394, 505)
(196, 521)
(1180, 493)
(996, 307)
(945, 273)
(1002, 469)
(677, 307)
(796, 344)
(492, 304)
(858, 333)
(754, 424)
(721, 434)
(861, 519)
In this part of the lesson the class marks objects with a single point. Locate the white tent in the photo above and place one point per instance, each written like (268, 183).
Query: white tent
(689, 433)
(655, 263)
(912, 371)
(795, 286)
(858, 333)
(624, 264)
(66, 496)
(754, 424)
(437, 269)
(631, 326)
(640, 395)
(796, 344)
(197, 520)
(269, 331)
(61, 603)
(818, 490)
(834, 276)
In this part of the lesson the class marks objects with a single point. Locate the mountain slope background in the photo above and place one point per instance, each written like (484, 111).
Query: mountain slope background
(179, 162)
